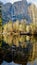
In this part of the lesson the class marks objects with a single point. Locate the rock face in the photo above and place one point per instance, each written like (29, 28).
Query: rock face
(18, 10)
(32, 10)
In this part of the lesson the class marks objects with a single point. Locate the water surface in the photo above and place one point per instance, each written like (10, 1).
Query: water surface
(18, 50)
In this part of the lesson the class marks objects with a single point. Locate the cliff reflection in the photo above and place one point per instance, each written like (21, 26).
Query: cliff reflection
(19, 49)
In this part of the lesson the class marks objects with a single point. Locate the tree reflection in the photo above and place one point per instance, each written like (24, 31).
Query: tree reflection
(1, 55)
(23, 49)
(5, 54)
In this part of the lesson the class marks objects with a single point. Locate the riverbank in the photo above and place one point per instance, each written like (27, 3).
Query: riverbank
(20, 33)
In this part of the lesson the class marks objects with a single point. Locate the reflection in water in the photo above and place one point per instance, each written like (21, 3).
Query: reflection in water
(19, 49)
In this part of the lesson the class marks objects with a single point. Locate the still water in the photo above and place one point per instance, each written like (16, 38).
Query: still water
(18, 50)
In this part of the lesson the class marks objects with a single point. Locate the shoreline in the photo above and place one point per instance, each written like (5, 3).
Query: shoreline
(13, 33)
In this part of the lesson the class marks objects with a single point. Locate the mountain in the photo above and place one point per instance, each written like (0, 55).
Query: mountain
(18, 10)
(32, 11)
(6, 13)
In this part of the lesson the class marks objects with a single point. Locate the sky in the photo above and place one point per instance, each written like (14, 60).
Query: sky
(12, 1)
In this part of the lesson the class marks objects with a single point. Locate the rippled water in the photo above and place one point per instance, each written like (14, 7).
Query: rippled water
(18, 50)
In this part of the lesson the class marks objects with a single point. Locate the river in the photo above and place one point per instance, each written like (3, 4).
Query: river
(18, 50)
